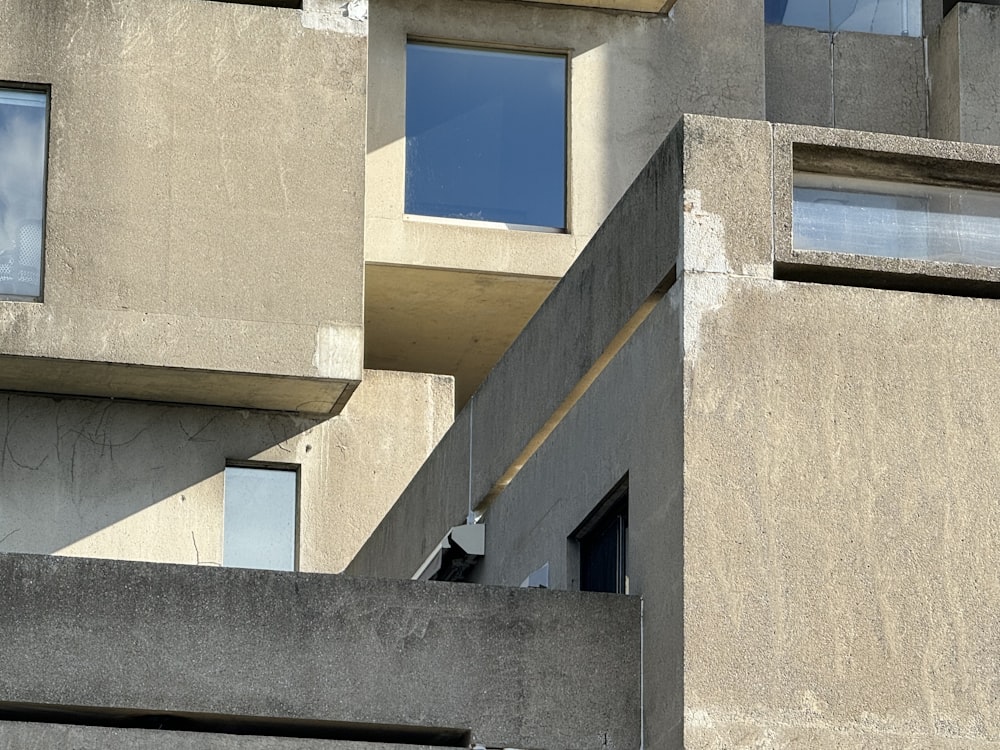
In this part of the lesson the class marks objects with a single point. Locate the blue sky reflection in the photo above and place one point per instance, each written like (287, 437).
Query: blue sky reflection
(486, 135)
(897, 17)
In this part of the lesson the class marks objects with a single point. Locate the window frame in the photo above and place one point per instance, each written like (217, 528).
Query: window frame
(611, 510)
(294, 468)
(828, 27)
(516, 49)
(46, 90)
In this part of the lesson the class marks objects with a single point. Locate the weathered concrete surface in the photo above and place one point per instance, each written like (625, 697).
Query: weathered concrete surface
(627, 259)
(965, 61)
(630, 420)
(145, 481)
(428, 319)
(642, 6)
(811, 466)
(506, 664)
(799, 75)
(205, 199)
(944, 66)
(631, 77)
(897, 103)
(40, 736)
(853, 80)
(839, 520)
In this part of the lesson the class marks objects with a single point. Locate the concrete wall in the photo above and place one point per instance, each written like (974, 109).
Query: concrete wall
(145, 481)
(20, 735)
(506, 668)
(846, 80)
(630, 77)
(205, 199)
(629, 257)
(811, 466)
(965, 65)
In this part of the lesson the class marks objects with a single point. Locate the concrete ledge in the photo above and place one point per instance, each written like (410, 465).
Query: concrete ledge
(17, 735)
(643, 6)
(507, 665)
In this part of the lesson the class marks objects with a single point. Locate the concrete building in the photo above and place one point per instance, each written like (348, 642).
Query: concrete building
(754, 389)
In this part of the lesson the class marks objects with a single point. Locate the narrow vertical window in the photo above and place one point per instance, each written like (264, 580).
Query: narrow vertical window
(486, 135)
(260, 518)
(23, 136)
(603, 544)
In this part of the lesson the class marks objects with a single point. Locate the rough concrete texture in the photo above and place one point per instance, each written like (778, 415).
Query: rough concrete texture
(145, 481)
(192, 175)
(504, 664)
(727, 183)
(978, 28)
(627, 259)
(643, 6)
(839, 521)
(428, 320)
(811, 469)
(897, 103)
(16, 735)
(817, 78)
(944, 64)
(799, 75)
(630, 420)
(630, 77)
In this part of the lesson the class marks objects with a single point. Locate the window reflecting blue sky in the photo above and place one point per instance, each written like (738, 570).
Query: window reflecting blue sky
(486, 135)
(22, 183)
(898, 17)
(259, 518)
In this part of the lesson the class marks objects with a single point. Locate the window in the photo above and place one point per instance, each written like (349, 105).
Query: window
(603, 544)
(895, 219)
(260, 517)
(23, 136)
(897, 17)
(486, 135)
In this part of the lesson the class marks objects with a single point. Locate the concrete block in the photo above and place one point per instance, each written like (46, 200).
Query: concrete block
(192, 176)
(627, 259)
(19, 735)
(898, 103)
(799, 68)
(504, 665)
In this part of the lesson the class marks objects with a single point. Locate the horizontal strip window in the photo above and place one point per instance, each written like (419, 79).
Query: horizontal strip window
(885, 219)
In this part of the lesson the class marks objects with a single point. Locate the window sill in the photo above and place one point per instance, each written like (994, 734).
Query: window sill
(482, 224)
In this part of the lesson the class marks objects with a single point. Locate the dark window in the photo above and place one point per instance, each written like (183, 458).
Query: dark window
(603, 540)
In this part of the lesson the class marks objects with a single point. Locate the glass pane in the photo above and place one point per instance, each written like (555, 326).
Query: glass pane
(259, 518)
(896, 220)
(22, 191)
(485, 135)
(899, 17)
(812, 14)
